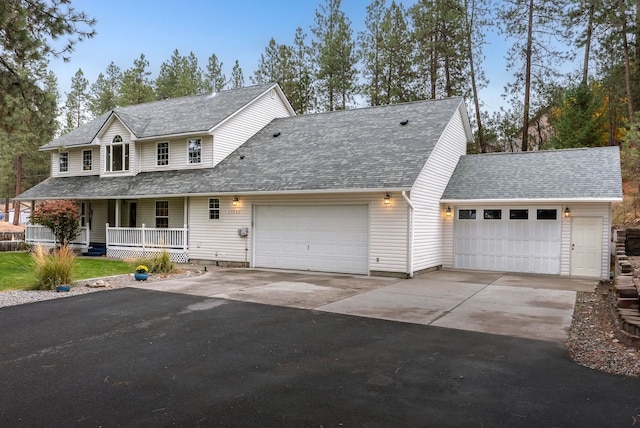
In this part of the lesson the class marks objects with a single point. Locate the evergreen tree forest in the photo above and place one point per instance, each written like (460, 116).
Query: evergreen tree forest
(407, 51)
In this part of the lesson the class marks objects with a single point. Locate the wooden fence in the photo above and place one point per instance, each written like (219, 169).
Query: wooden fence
(11, 241)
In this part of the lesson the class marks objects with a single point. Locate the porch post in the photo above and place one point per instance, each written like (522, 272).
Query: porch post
(118, 202)
(184, 239)
(107, 238)
(144, 238)
(87, 238)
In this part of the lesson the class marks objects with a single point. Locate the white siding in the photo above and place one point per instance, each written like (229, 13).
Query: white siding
(237, 130)
(146, 211)
(447, 237)
(75, 162)
(587, 210)
(219, 240)
(427, 191)
(178, 153)
(117, 128)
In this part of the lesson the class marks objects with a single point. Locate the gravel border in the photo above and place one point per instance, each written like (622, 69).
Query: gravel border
(85, 286)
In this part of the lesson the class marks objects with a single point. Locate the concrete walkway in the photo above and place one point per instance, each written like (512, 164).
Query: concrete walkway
(529, 306)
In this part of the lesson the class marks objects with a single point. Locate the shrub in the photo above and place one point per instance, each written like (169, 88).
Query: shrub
(61, 217)
(159, 263)
(55, 268)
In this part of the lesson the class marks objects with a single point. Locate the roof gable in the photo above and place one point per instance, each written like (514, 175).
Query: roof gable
(195, 114)
(588, 174)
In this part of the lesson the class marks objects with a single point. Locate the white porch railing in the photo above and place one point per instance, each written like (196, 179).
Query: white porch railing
(131, 242)
(37, 234)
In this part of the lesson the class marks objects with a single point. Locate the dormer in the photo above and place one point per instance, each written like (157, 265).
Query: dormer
(117, 148)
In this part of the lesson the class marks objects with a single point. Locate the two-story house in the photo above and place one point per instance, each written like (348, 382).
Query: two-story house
(237, 177)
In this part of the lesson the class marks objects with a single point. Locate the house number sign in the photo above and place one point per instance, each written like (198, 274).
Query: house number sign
(233, 212)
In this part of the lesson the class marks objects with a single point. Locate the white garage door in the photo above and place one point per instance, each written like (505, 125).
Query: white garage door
(321, 238)
(508, 239)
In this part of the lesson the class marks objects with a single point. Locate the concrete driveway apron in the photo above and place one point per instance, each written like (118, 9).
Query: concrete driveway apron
(530, 306)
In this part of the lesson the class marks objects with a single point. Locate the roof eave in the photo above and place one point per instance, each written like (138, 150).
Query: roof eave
(227, 193)
(526, 200)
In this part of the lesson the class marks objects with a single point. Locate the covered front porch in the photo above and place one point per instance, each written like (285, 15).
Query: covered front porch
(120, 226)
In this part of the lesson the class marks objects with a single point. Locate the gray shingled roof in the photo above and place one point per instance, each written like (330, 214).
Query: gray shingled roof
(168, 117)
(592, 173)
(346, 150)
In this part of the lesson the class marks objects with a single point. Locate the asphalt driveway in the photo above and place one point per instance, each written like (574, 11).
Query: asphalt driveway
(138, 358)
(529, 306)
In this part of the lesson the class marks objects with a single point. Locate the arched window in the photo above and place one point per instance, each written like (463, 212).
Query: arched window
(117, 156)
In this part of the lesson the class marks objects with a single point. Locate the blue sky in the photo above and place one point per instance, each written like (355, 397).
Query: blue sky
(238, 29)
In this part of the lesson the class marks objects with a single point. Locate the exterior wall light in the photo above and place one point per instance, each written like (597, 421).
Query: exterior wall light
(448, 212)
(567, 212)
(235, 201)
(387, 199)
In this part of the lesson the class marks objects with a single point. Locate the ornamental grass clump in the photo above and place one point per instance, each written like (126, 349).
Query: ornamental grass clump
(162, 263)
(53, 269)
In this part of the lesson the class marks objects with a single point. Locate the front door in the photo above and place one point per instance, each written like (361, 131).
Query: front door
(586, 246)
(133, 213)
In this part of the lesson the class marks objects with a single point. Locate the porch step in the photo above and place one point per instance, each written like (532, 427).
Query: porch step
(96, 250)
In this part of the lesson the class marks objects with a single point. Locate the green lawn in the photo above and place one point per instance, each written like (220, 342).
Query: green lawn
(16, 270)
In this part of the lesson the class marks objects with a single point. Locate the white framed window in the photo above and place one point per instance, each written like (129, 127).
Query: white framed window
(117, 155)
(466, 214)
(64, 162)
(162, 153)
(214, 208)
(87, 160)
(195, 150)
(162, 214)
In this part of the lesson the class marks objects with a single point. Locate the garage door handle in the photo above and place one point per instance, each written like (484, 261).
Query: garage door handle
(573, 247)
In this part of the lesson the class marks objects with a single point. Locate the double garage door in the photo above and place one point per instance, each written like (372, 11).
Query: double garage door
(325, 238)
(508, 239)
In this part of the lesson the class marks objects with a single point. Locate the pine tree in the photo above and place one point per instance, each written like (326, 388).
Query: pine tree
(104, 91)
(440, 37)
(136, 87)
(215, 80)
(32, 32)
(237, 77)
(335, 56)
(180, 77)
(535, 27)
(370, 46)
(302, 96)
(77, 105)
(578, 121)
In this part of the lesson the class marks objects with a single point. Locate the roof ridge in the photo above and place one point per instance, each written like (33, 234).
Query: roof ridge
(539, 151)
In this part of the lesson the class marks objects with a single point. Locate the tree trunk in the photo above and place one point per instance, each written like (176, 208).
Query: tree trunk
(474, 86)
(527, 84)
(627, 66)
(16, 204)
(6, 208)
(587, 45)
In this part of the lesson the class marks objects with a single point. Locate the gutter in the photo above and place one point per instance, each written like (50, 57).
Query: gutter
(410, 234)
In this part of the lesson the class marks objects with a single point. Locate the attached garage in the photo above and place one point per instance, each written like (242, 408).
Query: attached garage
(543, 212)
(512, 239)
(325, 238)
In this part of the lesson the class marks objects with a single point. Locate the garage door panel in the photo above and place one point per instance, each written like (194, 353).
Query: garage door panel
(319, 238)
(508, 245)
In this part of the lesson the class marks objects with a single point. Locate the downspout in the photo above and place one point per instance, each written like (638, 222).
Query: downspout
(410, 234)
